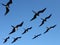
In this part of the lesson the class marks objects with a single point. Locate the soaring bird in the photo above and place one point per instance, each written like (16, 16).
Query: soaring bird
(16, 27)
(26, 30)
(37, 13)
(48, 28)
(5, 40)
(7, 6)
(36, 36)
(44, 20)
(15, 39)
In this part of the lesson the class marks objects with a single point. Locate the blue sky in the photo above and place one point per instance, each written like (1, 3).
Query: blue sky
(21, 10)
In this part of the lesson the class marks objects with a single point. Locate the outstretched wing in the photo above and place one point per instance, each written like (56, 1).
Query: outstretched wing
(41, 11)
(46, 31)
(10, 2)
(7, 10)
(12, 31)
(33, 17)
(48, 16)
(24, 32)
(53, 26)
(5, 40)
(42, 23)
(20, 24)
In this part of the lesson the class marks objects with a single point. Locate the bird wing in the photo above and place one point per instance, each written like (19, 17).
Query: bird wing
(46, 31)
(10, 2)
(53, 26)
(12, 31)
(41, 11)
(39, 34)
(7, 10)
(33, 17)
(48, 16)
(24, 32)
(5, 40)
(19, 25)
(14, 40)
(42, 23)
(34, 37)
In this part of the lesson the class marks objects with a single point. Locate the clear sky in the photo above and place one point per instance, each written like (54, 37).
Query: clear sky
(21, 10)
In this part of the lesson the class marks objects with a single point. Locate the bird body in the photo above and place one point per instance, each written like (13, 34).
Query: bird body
(15, 39)
(37, 13)
(5, 40)
(48, 28)
(26, 30)
(44, 20)
(7, 6)
(36, 36)
(16, 28)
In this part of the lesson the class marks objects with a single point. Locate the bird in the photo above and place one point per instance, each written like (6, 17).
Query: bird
(26, 30)
(48, 28)
(16, 27)
(7, 6)
(5, 40)
(35, 36)
(15, 39)
(37, 13)
(44, 20)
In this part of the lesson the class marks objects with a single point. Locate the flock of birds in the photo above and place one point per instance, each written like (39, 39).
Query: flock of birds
(15, 28)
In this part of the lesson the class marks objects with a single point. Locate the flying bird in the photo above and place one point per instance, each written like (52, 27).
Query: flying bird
(26, 30)
(35, 36)
(37, 13)
(44, 20)
(6, 39)
(15, 39)
(7, 6)
(16, 27)
(48, 28)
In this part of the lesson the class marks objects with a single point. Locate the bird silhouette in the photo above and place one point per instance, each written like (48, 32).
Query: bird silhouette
(26, 30)
(48, 28)
(44, 20)
(5, 40)
(7, 6)
(16, 27)
(35, 36)
(15, 39)
(37, 13)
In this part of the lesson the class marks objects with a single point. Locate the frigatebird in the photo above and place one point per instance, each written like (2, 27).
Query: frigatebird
(7, 6)
(37, 13)
(48, 28)
(35, 36)
(26, 30)
(16, 27)
(44, 20)
(15, 39)
(5, 40)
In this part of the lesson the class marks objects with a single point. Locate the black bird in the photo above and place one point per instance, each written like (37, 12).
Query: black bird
(48, 28)
(15, 39)
(44, 20)
(37, 13)
(5, 40)
(36, 36)
(26, 30)
(16, 27)
(7, 6)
